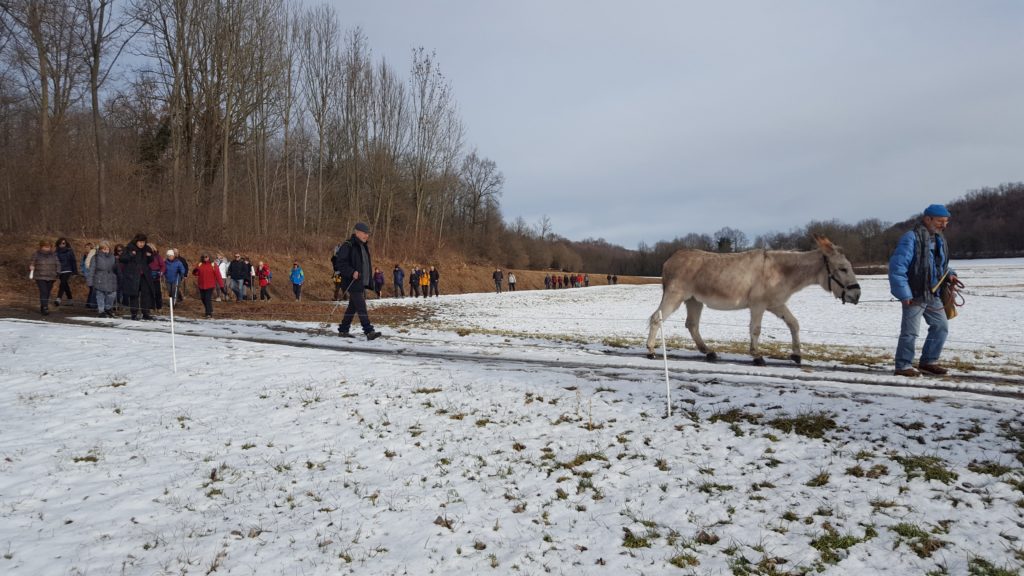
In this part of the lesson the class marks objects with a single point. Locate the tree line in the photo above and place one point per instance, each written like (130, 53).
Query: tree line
(231, 119)
(983, 225)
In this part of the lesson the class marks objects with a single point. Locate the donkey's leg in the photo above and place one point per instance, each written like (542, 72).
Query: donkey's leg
(794, 329)
(756, 314)
(670, 302)
(693, 310)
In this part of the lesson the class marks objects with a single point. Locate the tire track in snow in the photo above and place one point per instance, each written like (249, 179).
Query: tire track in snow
(690, 374)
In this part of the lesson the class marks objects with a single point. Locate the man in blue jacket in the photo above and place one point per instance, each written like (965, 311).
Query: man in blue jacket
(352, 263)
(399, 278)
(917, 269)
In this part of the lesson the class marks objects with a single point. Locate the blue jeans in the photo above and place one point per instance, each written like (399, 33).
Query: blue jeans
(238, 287)
(929, 306)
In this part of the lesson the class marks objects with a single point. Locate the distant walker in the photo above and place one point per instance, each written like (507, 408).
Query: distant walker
(759, 280)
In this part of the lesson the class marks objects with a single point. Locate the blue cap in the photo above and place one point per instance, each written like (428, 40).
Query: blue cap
(937, 210)
(362, 227)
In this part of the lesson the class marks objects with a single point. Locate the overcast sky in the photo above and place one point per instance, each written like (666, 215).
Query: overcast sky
(644, 121)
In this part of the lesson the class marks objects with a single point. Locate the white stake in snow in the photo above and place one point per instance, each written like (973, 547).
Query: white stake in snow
(664, 356)
(174, 350)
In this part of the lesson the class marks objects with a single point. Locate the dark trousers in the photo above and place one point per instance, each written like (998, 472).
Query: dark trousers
(399, 291)
(511, 286)
(90, 300)
(45, 288)
(264, 295)
(207, 297)
(356, 305)
(156, 296)
(297, 289)
(433, 289)
(414, 290)
(142, 301)
(64, 287)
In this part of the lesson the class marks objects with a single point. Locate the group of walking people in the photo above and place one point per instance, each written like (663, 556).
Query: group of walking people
(134, 275)
(128, 275)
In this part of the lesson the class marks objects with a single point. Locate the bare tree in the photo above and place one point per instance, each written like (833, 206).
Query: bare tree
(48, 57)
(104, 36)
(433, 110)
(389, 142)
(481, 183)
(321, 68)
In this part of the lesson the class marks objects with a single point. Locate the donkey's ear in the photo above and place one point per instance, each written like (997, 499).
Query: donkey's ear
(825, 244)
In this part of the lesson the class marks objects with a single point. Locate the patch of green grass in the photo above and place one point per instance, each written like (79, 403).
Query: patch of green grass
(735, 415)
(928, 467)
(831, 541)
(684, 560)
(820, 479)
(989, 467)
(876, 471)
(583, 458)
(810, 424)
(631, 540)
(711, 487)
(978, 566)
(919, 540)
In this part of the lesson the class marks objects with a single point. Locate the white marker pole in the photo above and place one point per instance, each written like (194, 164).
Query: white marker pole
(664, 355)
(174, 350)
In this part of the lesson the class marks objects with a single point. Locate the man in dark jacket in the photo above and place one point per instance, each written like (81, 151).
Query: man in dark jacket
(238, 273)
(356, 270)
(917, 269)
(136, 257)
(399, 277)
(435, 278)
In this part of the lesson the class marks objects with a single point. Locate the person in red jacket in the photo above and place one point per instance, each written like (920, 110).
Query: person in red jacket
(208, 279)
(263, 273)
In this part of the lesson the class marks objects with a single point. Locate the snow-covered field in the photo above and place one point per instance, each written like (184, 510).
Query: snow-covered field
(519, 433)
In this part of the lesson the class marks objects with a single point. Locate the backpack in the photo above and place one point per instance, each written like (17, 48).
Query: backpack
(334, 255)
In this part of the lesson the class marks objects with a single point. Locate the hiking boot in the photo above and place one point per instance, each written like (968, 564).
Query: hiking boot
(373, 335)
(933, 369)
(908, 372)
(345, 334)
(56, 302)
(147, 317)
(44, 312)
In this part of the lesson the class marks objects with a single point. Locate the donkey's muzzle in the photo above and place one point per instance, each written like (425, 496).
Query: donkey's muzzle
(851, 294)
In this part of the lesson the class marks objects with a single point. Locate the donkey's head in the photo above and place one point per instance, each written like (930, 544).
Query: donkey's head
(840, 281)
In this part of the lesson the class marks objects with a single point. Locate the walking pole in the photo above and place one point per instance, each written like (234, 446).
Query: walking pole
(337, 303)
(664, 355)
(174, 350)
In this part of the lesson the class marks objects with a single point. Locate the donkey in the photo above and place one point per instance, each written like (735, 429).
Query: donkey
(759, 280)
